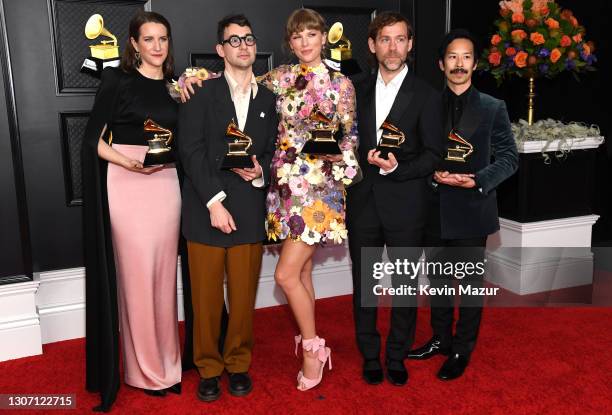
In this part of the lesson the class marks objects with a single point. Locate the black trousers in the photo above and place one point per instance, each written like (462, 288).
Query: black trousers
(455, 251)
(366, 229)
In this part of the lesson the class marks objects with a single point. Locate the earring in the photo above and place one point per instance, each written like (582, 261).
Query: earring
(138, 59)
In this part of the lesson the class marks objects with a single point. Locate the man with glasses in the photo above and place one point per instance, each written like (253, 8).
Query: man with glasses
(224, 210)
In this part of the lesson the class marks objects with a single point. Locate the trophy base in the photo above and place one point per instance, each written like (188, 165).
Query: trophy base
(237, 162)
(156, 159)
(94, 66)
(453, 166)
(384, 152)
(321, 147)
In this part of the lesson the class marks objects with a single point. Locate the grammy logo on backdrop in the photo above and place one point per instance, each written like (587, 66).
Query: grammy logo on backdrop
(103, 54)
(237, 154)
(340, 56)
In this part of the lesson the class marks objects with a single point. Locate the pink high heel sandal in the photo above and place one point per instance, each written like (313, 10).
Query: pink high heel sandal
(317, 346)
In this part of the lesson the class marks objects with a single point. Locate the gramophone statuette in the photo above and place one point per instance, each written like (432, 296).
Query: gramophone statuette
(237, 154)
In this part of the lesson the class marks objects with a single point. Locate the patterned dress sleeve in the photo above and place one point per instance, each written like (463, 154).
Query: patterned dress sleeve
(348, 122)
(277, 80)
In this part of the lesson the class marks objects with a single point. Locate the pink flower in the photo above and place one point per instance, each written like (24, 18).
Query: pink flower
(326, 106)
(305, 111)
(298, 186)
(287, 80)
(350, 172)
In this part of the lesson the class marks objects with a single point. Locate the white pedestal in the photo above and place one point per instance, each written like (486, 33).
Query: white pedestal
(528, 258)
(19, 323)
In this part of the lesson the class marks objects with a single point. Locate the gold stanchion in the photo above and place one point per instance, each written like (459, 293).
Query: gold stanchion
(531, 100)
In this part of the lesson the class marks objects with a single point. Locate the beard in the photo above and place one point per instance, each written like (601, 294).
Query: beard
(393, 62)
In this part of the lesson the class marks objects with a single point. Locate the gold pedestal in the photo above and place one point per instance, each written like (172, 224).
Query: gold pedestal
(531, 97)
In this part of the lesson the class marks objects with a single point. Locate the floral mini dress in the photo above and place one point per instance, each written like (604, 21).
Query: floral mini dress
(306, 198)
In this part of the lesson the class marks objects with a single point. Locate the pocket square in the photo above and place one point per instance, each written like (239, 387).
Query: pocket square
(263, 114)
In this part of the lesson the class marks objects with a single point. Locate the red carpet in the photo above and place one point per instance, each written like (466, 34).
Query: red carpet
(527, 361)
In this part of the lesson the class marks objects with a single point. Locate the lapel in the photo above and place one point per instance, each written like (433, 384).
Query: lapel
(252, 114)
(369, 97)
(224, 104)
(472, 115)
(402, 100)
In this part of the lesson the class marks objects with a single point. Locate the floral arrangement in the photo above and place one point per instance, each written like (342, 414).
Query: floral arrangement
(536, 38)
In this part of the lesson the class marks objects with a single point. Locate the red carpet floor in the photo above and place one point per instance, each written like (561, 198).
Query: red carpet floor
(527, 361)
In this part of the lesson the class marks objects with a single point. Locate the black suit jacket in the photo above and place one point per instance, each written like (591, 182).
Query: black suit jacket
(402, 197)
(472, 213)
(202, 145)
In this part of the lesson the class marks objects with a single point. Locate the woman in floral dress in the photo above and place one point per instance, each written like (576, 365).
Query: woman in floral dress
(306, 198)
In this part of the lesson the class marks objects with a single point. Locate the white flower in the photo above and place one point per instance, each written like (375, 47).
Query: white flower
(284, 173)
(338, 173)
(315, 177)
(332, 95)
(337, 232)
(289, 107)
(310, 236)
(348, 156)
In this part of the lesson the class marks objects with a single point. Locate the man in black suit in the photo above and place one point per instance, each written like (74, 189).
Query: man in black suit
(464, 208)
(223, 210)
(389, 206)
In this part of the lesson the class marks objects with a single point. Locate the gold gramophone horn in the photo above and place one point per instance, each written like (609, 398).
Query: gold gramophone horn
(335, 33)
(95, 27)
(342, 49)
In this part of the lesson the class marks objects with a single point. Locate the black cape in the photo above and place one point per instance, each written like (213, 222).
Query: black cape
(102, 325)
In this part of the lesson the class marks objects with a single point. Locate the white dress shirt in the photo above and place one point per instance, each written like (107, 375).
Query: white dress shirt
(385, 97)
(241, 98)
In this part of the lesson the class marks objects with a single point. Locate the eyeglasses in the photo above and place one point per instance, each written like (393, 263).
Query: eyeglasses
(235, 40)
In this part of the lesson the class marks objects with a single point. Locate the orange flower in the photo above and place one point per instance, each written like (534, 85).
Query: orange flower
(520, 60)
(537, 38)
(586, 49)
(544, 11)
(573, 21)
(566, 14)
(318, 216)
(555, 55)
(532, 60)
(565, 41)
(552, 23)
(495, 58)
(518, 35)
(577, 38)
(518, 18)
(496, 39)
(510, 51)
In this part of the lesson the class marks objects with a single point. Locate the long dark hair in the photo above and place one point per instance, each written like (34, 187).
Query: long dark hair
(129, 63)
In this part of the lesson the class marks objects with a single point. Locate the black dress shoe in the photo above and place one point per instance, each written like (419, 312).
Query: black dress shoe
(159, 393)
(396, 372)
(428, 350)
(372, 372)
(208, 389)
(240, 384)
(176, 388)
(453, 367)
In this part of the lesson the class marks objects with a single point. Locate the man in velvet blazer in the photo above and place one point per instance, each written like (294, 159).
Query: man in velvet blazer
(464, 206)
(389, 206)
(223, 210)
